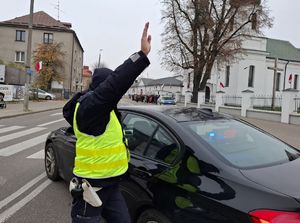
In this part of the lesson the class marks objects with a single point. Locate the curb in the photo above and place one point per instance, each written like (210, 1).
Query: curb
(29, 113)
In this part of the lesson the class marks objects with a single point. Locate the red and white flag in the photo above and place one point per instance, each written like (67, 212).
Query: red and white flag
(290, 78)
(222, 85)
(39, 66)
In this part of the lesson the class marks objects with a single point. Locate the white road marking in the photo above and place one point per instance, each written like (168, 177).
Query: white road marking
(16, 207)
(55, 114)
(10, 150)
(38, 155)
(11, 128)
(49, 123)
(2, 182)
(21, 190)
(20, 134)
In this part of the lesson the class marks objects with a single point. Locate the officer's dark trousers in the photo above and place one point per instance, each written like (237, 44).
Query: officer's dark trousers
(113, 209)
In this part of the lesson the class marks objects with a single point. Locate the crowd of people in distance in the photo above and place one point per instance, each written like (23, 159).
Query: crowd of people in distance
(144, 98)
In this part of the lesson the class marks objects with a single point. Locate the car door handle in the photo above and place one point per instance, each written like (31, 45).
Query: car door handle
(140, 172)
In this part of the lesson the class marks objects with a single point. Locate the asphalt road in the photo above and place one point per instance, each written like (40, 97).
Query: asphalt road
(26, 195)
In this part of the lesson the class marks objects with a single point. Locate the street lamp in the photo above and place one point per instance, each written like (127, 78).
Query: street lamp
(99, 61)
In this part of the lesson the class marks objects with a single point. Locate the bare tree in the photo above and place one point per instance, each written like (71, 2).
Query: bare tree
(199, 33)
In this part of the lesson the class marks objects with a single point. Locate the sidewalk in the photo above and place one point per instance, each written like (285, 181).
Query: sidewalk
(16, 109)
(286, 132)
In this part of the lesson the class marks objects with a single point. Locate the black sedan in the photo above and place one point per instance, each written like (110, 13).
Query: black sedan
(196, 166)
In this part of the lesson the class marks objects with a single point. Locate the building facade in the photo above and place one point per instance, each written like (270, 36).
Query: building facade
(161, 86)
(14, 39)
(86, 77)
(254, 70)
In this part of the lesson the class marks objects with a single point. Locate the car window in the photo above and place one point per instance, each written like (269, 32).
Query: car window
(42, 92)
(241, 144)
(162, 147)
(138, 131)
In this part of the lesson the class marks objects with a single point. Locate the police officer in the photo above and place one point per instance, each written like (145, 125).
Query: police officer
(101, 154)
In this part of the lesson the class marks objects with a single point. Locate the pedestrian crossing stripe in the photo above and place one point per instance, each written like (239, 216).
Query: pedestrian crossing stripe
(10, 128)
(19, 147)
(55, 114)
(20, 134)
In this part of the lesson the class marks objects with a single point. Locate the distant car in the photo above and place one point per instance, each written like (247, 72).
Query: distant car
(166, 100)
(40, 94)
(191, 165)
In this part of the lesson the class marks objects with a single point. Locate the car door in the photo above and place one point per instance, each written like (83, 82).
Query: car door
(42, 94)
(66, 149)
(153, 149)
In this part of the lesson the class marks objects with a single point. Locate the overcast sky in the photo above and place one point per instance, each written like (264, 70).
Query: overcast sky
(116, 25)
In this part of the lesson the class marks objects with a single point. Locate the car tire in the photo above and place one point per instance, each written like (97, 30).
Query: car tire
(51, 165)
(152, 216)
(48, 98)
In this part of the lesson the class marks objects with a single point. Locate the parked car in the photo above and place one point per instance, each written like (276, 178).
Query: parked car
(40, 94)
(194, 165)
(166, 100)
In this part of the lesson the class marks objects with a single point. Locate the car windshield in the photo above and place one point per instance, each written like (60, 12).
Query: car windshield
(242, 145)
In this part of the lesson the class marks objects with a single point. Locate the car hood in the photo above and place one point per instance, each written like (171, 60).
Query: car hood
(283, 178)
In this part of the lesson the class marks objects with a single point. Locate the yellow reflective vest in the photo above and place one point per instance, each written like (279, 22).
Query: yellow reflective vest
(100, 157)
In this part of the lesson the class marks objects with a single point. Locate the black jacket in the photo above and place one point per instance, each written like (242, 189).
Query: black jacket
(93, 112)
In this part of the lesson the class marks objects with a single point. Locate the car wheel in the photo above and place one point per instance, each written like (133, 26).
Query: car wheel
(48, 97)
(152, 216)
(51, 165)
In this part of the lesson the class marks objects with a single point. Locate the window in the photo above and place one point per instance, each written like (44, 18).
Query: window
(138, 131)
(296, 81)
(20, 56)
(48, 37)
(254, 21)
(278, 81)
(227, 76)
(145, 137)
(240, 144)
(20, 35)
(162, 147)
(251, 76)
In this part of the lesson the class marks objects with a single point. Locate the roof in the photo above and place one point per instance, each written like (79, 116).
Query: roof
(41, 20)
(167, 81)
(282, 50)
(146, 81)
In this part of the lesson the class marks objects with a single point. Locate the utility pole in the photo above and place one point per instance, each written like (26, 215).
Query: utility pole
(276, 69)
(28, 59)
(99, 61)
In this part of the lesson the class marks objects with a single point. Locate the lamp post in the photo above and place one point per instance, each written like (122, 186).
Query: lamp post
(99, 61)
(28, 58)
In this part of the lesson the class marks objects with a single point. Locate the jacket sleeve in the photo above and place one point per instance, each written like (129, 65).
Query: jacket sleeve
(106, 96)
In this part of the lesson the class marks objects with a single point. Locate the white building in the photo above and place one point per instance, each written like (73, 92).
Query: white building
(162, 86)
(251, 71)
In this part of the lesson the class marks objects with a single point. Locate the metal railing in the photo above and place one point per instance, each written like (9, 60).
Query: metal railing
(297, 105)
(233, 101)
(265, 103)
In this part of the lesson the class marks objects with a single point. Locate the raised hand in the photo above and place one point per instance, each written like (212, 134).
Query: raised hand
(146, 40)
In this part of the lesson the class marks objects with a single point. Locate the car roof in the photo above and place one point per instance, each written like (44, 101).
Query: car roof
(180, 114)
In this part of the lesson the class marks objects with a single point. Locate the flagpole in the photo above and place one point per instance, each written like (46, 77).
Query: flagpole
(28, 59)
